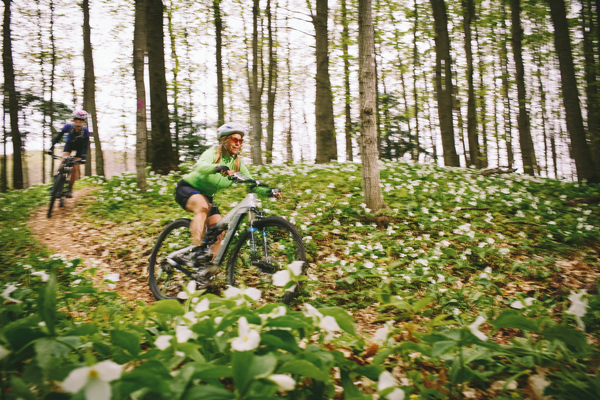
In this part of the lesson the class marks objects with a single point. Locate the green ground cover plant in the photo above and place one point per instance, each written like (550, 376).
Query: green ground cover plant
(480, 287)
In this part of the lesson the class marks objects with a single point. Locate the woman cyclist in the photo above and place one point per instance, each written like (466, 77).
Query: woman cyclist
(195, 191)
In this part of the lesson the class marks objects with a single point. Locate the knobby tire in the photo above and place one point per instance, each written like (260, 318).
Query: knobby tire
(279, 233)
(56, 191)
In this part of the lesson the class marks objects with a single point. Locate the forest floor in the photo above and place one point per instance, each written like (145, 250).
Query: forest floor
(102, 245)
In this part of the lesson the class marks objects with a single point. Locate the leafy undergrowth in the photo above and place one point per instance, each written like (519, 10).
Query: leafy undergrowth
(465, 286)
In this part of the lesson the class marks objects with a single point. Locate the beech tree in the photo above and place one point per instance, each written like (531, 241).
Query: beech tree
(139, 52)
(367, 107)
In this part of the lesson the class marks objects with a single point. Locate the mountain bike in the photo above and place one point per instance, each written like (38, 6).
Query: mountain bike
(60, 188)
(261, 245)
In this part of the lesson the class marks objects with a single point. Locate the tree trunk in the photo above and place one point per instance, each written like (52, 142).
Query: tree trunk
(562, 41)
(415, 152)
(483, 154)
(139, 52)
(163, 157)
(11, 93)
(367, 97)
(4, 173)
(347, 94)
(443, 80)
(89, 88)
(506, 89)
(591, 88)
(527, 150)
(474, 155)
(326, 142)
(255, 97)
(175, 82)
(271, 86)
(219, 40)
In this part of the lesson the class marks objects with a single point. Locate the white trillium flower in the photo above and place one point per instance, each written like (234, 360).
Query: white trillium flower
(112, 277)
(6, 294)
(163, 341)
(204, 305)
(3, 352)
(578, 307)
(249, 339)
(519, 304)
(386, 380)
(43, 274)
(251, 292)
(183, 333)
(284, 382)
(93, 380)
(191, 288)
(474, 328)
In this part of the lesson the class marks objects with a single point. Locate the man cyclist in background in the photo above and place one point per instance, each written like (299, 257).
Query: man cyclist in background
(195, 191)
(78, 139)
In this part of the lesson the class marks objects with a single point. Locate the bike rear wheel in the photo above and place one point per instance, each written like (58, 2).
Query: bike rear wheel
(167, 281)
(277, 244)
(57, 187)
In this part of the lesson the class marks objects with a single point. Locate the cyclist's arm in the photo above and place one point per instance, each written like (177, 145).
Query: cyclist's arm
(59, 136)
(86, 145)
(259, 190)
(205, 164)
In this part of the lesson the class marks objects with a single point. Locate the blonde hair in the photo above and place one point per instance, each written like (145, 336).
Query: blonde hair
(223, 149)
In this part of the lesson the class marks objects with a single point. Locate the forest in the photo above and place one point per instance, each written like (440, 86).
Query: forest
(440, 177)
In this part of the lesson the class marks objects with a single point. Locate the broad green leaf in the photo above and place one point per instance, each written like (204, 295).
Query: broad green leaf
(47, 303)
(304, 368)
(127, 340)
(50, 353)
(280, 339)
(513, 319)
(84, 330)
(208, 392)
(422, 303)
(440, 348)
(351, 392)
(248, 367)
(344, 320)
(574, 339)
(170, 307)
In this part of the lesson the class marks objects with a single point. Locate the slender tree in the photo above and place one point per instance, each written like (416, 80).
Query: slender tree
(347, 95)
(163, 157)
(271, 85)
(11, 92)
(591, 80)
(506, 88)
(89, 87)
(139, 52)
(562, 42)
(219, 50)
(527, 150)
(468, 16)
(443, 80)
(326, 142)
(367, 97)
(175, 85)
(255, 92)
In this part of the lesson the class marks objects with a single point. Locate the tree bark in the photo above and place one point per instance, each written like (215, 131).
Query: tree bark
(89, 88)
(175, 82)
(139, 52)
(591, 87)
(527, 149)
(163, 157)
(271, 86)
(562, 41)
(326, 142)
(11, 93)
(506, 90)
(474, 155)
(255, 97)
(219, 44)
(443, 80)
(347, 95)
(367, 107)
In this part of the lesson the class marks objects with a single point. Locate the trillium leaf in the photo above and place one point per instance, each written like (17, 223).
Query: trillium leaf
(344, 320)
(127, 340)
(513, 319)
(170, 307)
(304, 368)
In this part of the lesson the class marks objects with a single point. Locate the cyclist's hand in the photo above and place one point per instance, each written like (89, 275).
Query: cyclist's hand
(223, 169)
(82, 161)
(276, 193)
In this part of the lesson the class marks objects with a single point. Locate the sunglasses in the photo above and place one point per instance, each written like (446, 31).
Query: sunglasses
(236, 140)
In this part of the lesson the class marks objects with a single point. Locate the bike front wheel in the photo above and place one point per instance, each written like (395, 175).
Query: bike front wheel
(55, 192)
(167, 281)
(272, 244)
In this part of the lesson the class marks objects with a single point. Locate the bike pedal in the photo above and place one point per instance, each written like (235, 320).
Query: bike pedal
(265, 267)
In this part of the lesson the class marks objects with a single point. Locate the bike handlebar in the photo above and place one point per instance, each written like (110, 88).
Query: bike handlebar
(70, 159)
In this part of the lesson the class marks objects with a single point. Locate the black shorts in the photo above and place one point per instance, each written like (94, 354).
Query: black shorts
(184, 191)
(77, 145)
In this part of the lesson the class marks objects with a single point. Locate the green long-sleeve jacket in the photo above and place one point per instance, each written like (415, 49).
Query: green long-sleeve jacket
(205, 178)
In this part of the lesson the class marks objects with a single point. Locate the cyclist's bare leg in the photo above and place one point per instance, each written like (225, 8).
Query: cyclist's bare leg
(74, 175)
(198, 204)
(210, 222)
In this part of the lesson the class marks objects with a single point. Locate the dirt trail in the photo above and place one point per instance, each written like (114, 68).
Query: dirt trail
(65, 235)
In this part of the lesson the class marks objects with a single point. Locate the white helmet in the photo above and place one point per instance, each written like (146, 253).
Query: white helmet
(80, 114)
(229, 129)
